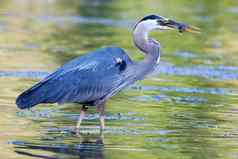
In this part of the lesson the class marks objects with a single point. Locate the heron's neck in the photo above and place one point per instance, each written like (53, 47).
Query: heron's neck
(147, 45)
(141, 40)
(151, 49)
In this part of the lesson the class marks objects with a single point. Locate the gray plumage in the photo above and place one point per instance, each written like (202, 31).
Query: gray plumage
(88, 80)
(82, 80)
(95, 77)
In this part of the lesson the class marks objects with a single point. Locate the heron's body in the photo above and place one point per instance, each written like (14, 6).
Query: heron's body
(95, 77)
(88, 80)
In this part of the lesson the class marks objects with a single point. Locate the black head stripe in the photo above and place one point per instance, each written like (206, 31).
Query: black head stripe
(149, 17)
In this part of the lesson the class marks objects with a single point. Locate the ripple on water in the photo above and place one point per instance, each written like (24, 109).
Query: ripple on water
(84, 20)
(212, 72)
(109, 130)
(75, 19)
(233, 10)
(185, 54)
(193, 90)
(156, 139)
(24, 74)
(117, 116)
(46, 113)
(3, 27)
(176, 99)
(31, 46)
(189, 100)
(52, 112)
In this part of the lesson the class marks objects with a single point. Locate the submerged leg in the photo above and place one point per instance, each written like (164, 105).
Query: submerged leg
(100, 110)
(82, 114)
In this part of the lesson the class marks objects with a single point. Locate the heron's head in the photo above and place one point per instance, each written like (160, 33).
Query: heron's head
(152, 22)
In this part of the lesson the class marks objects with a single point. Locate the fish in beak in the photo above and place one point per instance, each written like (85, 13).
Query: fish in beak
(181, 27)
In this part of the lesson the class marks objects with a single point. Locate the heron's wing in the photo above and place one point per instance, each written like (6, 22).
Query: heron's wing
(84, 79)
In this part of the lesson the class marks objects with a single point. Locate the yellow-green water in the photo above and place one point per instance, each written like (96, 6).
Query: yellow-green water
(186, 110)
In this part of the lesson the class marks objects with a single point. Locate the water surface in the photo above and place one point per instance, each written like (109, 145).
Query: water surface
(186, 109)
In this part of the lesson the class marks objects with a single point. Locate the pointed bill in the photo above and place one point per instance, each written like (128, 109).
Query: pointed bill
(191, 29)
(181, 27)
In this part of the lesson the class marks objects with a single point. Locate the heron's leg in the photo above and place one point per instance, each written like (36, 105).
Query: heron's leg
(82, 114)
(101, 109)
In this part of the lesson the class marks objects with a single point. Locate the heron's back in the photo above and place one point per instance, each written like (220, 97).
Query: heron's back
(86, 79)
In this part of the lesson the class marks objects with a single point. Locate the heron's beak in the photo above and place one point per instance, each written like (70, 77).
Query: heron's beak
(182, 27)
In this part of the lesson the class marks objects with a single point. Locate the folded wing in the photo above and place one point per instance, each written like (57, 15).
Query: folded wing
(83, 80)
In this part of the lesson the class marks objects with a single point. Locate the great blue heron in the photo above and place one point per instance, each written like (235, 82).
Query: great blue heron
(92, 79)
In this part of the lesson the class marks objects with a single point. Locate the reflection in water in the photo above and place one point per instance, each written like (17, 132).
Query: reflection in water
(85, 146)
(80, 20)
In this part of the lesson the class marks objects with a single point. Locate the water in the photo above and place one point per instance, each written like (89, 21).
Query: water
(186, 109)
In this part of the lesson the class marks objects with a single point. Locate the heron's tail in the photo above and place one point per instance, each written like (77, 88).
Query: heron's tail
(29, 98)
